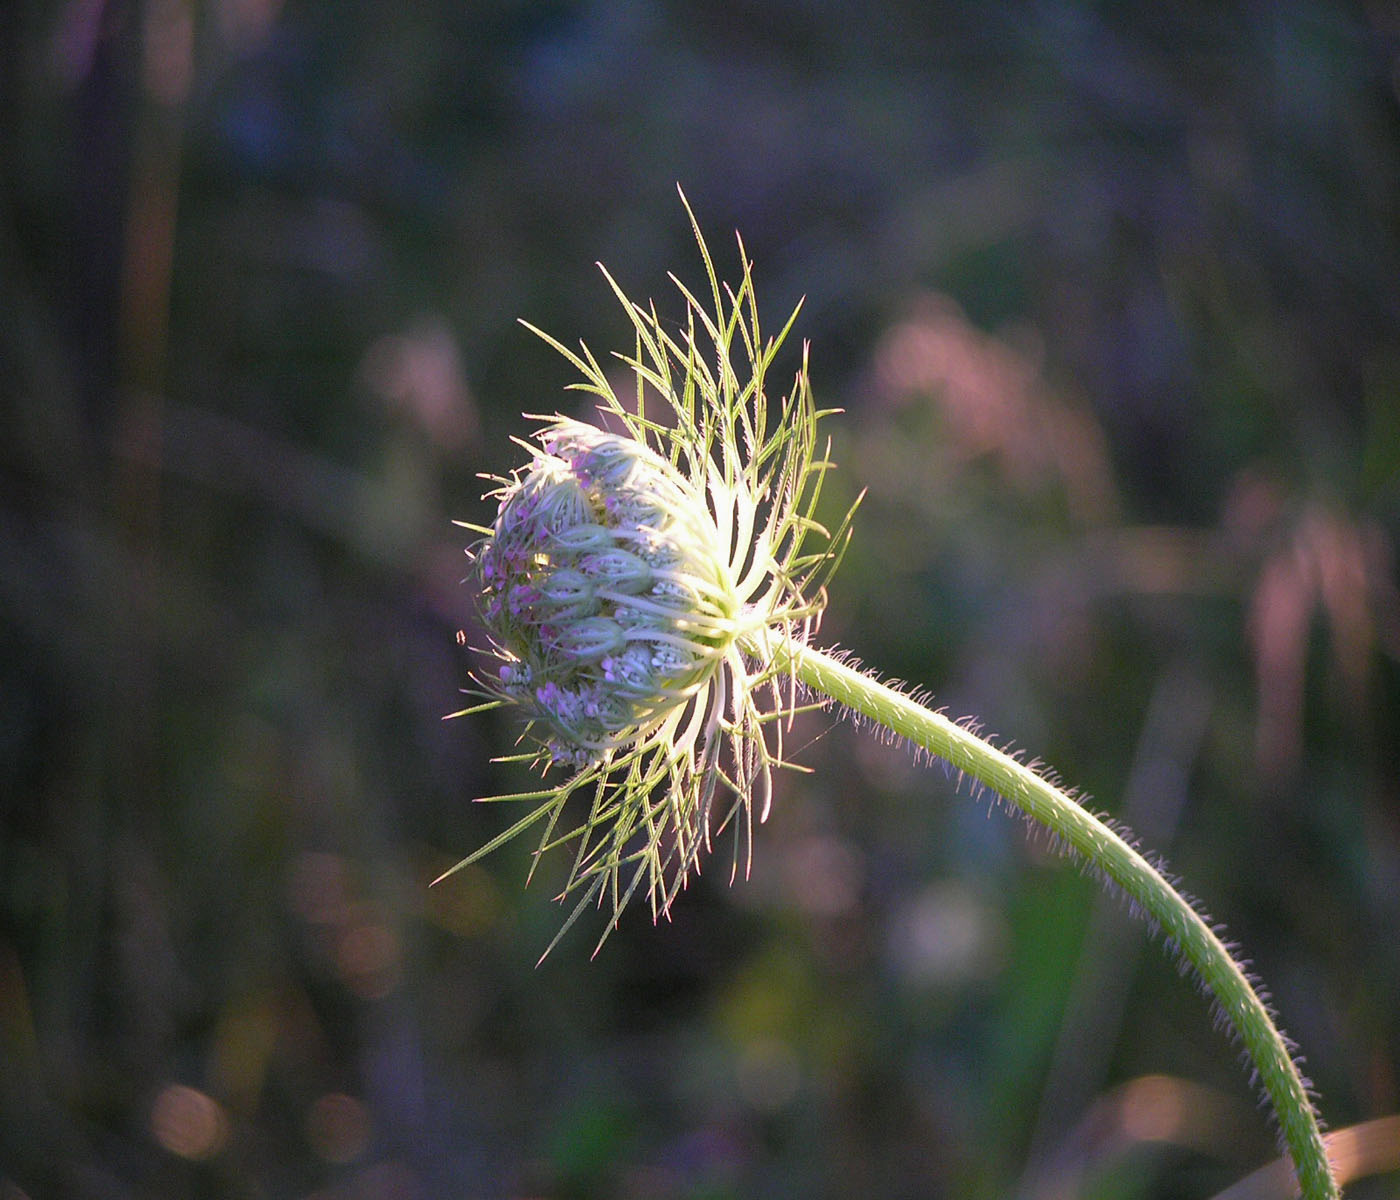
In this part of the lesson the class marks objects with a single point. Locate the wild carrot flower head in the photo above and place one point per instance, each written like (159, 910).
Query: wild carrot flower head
(606, 591)
(632, 585)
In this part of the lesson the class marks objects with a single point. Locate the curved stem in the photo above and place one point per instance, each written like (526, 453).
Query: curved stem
(1110, 853)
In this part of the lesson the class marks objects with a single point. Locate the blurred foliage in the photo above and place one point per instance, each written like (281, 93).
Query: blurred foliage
(1108, 293)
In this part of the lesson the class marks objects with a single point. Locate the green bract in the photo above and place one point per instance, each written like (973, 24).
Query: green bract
(634, 584)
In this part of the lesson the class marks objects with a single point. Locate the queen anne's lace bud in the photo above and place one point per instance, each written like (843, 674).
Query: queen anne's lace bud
(634, 585)
(604, 587)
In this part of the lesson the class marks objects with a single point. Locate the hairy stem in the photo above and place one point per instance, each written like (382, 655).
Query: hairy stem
(1101, 846)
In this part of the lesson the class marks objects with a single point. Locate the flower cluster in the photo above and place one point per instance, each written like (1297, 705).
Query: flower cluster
(604, 588)
(635, 585)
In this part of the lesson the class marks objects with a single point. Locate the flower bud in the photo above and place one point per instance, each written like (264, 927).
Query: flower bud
(548, 500)
(567, 593)
(588, 638)
(603, 568)
(581, 538)
(605, 462)
(617, 570)
(633, 598)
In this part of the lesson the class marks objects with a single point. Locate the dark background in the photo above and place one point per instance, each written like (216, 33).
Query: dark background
(1111, 297)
